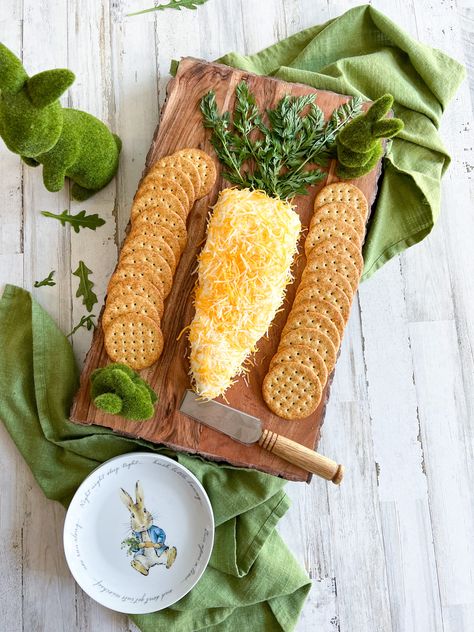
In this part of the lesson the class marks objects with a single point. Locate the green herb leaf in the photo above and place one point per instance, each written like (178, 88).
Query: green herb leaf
(47, 281)
(81, 220)
(172, 4)
(275, 155)
(85, 286)
(86, 321)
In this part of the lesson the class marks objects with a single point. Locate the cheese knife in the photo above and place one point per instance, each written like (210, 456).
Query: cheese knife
(247, 429)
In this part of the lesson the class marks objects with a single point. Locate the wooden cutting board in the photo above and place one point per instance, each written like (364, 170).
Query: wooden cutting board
(181, 126)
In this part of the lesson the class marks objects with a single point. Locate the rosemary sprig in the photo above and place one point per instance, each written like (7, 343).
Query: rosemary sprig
(274, 154)
(172, 4)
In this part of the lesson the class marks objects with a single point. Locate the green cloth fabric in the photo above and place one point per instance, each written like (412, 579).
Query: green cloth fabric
(364, 53)
(252, 582)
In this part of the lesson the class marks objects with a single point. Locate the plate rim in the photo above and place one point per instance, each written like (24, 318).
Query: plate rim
(143, 609)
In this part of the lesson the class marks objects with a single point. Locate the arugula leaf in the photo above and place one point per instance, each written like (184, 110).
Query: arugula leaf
(81, 220)
(86, 321)
(89, 298)
(47, 281)
(172, 4)
(274, 155)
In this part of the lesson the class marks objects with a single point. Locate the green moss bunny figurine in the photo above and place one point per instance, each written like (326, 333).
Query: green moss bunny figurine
(119, 390)
(68, 143)
(359, 144)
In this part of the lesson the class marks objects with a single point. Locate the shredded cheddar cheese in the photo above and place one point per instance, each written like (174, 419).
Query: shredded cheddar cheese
(243, 272)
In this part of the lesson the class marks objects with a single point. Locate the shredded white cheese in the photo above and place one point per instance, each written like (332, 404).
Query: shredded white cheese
(243, 272)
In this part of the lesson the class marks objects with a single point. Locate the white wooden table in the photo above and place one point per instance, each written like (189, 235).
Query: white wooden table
(392, 549)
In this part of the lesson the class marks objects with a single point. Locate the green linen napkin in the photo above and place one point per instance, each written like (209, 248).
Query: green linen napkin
(364, 53)
(252, 582)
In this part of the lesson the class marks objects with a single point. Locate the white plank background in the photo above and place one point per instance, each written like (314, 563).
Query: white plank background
(392, 549)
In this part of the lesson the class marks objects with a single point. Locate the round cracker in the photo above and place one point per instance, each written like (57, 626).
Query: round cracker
(152, 231)
(344, 212)
(306, 314)
(134, 340)
(187, 167)
(304, 355)
(330, 311)
(342, 246)
(128, 304)
(327, 229)
(291, 390)
(337, 262)
(134, 273)
(173, 179)
(138, 241)
(163, 217)
(137, 287)
(328, 292)
(343, 192)
(316, 340)
(162, 272)
(312, 278)
(151, 197)
(205, 166)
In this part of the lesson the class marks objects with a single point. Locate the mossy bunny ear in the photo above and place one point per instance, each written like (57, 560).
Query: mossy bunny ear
(46, 87)
(379, 108)
(387, 128)
(12, 73)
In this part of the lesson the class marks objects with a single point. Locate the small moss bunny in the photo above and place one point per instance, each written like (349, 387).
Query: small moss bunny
(359, 144)
(68, 143)
(119, 390)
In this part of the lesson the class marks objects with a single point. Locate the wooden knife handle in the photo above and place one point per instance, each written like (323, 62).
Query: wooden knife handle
(301, 456)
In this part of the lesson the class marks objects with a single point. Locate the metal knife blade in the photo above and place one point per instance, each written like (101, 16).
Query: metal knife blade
(232, 422)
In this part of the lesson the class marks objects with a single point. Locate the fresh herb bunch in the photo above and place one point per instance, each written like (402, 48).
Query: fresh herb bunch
(274, 154)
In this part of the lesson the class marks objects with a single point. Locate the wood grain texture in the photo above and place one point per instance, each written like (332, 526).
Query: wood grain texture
(181, 126)
(390, 550)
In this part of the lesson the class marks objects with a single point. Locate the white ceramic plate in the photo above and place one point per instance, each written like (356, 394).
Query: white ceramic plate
(141, 549)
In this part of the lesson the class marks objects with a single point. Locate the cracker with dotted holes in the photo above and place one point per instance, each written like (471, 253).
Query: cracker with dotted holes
(303, 355)
(291, 390)
(151, 231)
(137, 287)
(341, 211)
(343, 192)
(337, 262)
(176, 181)
(204, 164)
(312, 278)
(328, 292)
(156, 262)
(135, 340)
(138, 241)
(133, 273)
(151, 197)
(315, 340)
(128, 304)
(163, 217)
(342, 246)
(327, 229)
(187, 167)
(306, 315)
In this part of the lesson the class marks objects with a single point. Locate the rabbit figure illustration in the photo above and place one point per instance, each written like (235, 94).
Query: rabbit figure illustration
(149, 541)
(68, 143)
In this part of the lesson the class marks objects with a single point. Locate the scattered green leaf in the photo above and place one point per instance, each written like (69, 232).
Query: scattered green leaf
(86, 321)
(274, 154)
(81, 220)
(47, 281)
(89, 298)
(172, 4)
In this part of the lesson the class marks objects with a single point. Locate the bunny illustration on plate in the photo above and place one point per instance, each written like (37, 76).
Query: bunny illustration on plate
(147, 541)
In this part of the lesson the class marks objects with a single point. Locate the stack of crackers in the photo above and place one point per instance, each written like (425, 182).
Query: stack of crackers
(311, 338)
(150, 254)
